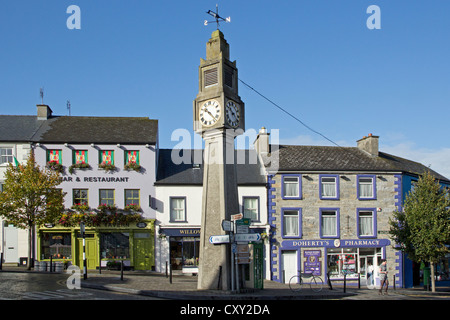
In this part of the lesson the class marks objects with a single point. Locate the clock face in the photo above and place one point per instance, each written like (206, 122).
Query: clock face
(210, 112)
(232, 114)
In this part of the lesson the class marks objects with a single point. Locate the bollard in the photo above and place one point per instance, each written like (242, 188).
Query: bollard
(359, 280)
(51, 262)
(167, 270)
(329, 280)
(345, 282)
(170, 274)
(1, 261)
(394, 281)
(121, 270)
(220, 278)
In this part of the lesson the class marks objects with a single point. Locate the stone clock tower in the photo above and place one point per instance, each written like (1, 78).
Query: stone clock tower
(219, 117)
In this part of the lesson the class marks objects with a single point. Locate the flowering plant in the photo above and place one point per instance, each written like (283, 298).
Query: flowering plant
(107, 166)
(55, 166)
(106, 207)
(80, 207)
(132, 207)
(132, 165)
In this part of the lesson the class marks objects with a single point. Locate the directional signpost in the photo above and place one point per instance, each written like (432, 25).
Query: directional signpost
(247, 237)
(219, 239)
(238, 237)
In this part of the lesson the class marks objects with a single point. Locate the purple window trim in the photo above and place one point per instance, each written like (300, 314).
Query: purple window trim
(374, 186)
(299, 210)
(299, 197)
(338, 223)
(374, 221)
(337, 186)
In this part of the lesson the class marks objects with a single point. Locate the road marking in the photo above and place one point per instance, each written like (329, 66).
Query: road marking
(57, 294)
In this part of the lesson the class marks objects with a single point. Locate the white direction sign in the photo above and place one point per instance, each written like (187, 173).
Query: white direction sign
(245, 237)
(219, 239)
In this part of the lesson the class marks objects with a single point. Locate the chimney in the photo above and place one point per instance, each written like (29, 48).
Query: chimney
(43, 112)
(262, 141)
(369, 144)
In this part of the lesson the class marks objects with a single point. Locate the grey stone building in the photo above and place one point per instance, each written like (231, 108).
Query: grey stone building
(329, 209)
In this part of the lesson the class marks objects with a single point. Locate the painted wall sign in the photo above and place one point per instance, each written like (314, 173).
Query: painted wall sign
(350, 243)
(180, 232)
(94, 179)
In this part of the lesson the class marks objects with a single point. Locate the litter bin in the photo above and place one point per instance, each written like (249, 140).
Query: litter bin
(426, 278)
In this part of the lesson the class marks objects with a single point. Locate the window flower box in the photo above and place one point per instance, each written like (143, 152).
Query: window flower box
(107, 166)
(55, 166)
(82, 165)
(132, 166)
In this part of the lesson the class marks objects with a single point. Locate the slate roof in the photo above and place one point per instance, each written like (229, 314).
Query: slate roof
(106, 130)
(18, 128)
(170, 173)
(324, 158)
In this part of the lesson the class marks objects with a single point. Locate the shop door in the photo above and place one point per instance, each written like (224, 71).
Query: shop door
(142, 254)
(289, 265)
(258, 265)
(11, 245)
(91, 253)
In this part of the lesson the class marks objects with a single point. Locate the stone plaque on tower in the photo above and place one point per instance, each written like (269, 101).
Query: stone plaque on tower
(218, 117)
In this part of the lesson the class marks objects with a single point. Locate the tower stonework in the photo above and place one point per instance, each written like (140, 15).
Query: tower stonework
(218, 118)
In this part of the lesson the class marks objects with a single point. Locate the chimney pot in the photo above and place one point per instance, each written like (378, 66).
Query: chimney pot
(369, 144)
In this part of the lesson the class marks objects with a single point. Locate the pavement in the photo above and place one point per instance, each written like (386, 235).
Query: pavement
(184, 287)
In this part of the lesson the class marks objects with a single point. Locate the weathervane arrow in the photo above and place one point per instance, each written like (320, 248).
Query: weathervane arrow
(217, 17)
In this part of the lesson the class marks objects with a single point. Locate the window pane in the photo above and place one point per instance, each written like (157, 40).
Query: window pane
(290, 223)
(107, 197)
(80, 196)
(131, 197)
(329, 187)
(290, 186)
(251, 208)
(365, 187)
(56, 245)
(329, 223)
(177, 212)
(365, 223)
(114, 245)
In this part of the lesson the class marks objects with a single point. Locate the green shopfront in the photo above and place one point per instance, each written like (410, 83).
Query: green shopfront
(106, 245)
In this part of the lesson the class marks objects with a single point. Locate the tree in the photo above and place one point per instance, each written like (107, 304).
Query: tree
(422, 228)
(30, 198)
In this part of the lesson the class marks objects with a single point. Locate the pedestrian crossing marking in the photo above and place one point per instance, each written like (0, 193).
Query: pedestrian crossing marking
(56, 294)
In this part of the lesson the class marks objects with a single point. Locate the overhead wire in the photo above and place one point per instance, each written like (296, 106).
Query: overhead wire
(288, 113)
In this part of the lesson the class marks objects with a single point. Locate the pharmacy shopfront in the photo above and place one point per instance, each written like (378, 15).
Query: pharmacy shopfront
(334, 258)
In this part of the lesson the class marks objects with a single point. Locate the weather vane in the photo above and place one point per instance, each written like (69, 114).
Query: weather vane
(216, 16)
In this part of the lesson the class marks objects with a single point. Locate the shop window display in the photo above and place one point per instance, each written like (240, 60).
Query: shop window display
(115, 245)
(56, 246)
(184, 252)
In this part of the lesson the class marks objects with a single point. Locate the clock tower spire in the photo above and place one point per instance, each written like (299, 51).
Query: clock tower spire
(218, 118)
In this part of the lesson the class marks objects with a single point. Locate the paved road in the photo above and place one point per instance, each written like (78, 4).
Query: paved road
(36, 286)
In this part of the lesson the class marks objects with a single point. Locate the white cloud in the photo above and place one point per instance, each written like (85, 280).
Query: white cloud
(436, 159)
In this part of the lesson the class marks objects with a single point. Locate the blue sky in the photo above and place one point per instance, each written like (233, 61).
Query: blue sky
(315, 58)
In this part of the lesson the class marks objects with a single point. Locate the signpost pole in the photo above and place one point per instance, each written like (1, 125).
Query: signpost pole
(83, 234)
